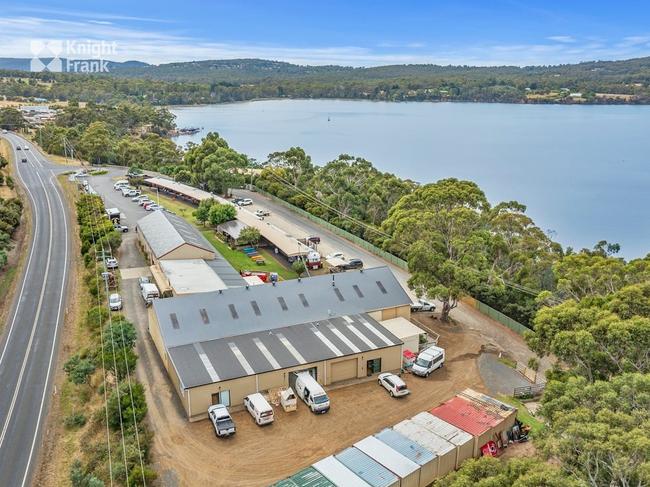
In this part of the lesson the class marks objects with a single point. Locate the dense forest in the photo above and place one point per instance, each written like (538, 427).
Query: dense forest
(245, 79)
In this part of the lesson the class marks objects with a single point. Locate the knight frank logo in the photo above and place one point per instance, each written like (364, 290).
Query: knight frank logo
(71, 56)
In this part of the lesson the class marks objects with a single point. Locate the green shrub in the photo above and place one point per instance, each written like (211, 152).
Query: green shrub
(138, 407)
(79, 369)
(74, 420)
(9, 181)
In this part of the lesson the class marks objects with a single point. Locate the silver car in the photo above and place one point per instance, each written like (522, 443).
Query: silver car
(115, 302)
(394, 384)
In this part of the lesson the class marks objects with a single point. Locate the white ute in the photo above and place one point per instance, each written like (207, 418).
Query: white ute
(221, 420)
(310, 391)
(428, 360)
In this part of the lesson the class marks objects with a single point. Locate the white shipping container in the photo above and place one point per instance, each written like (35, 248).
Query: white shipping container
(339, 474)
(435, 444)
(407, 470)
(463, 440)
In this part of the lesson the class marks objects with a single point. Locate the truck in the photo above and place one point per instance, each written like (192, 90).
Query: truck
(149, 292)
(221, 420)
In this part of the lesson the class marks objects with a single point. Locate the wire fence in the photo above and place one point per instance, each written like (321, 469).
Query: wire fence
(497, 316)
(401, 263)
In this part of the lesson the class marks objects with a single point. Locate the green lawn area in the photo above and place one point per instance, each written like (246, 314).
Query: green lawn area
(238, 259)
(536, 426)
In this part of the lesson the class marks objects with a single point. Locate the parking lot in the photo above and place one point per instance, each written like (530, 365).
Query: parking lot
(189, 453)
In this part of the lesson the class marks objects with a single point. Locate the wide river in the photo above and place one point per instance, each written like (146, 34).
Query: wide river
(583, 171)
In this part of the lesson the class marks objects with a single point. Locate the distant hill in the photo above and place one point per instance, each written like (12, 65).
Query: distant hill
(23, 64)
(254, 70)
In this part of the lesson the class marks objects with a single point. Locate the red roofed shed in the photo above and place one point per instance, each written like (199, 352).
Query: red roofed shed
(479, 421)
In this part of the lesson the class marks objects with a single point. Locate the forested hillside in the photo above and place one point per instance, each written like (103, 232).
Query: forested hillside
(245, 79)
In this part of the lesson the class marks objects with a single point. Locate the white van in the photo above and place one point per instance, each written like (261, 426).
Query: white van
(428, 360)
(120, 183)
(149, 293)
(310, 391)
(259, 408)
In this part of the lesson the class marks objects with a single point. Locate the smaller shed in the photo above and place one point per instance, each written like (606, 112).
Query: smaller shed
(464, 441)
(413, 451)
(339, 474)
(445, 451)
(232, 229)
(484, 425)
(368, 469)
(189, 276)
(405, 331)
(309, 477)
(407, 470)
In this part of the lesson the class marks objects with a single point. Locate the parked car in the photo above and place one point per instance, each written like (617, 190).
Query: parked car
(221, 420)
(144, 201)
(24, 159)
(259, 408)
(353, 264)
(120, 183)
(394, 384)
(114, 302)
(153, 207)
(312, 393)
(137, 198)
(245, 202)
(133, 192)
(121, 228)
(147, 204)
(149, 292)
(428, 360)
(422, 305)
(4, 131)
(262, 212)
(335, 255)
(237, 200)
(111, 263)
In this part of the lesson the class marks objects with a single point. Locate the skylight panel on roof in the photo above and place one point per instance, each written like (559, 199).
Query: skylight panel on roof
(173, 317)
(357, 290)
(283, 303)
(381, 287)
(303, 300)
(204, 316)
(256, 308)
(337, 291)
(233, 311)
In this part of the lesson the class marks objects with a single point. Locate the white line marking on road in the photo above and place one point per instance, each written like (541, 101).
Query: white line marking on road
(29, 262)
(36, 318)
(56, 332)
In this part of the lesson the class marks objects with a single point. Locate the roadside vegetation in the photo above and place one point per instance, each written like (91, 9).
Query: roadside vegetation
(11, 208)
(103, 404)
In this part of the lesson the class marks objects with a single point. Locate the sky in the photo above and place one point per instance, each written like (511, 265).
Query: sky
(352, 32)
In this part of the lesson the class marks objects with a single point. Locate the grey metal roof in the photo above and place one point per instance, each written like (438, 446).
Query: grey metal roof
(366, 468)
(263, 351)
(225, 271)
(232, 228)
(165, 232)
(408, 448)
(241, 310)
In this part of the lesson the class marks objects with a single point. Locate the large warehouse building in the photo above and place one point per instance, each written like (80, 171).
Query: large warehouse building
(219, 347)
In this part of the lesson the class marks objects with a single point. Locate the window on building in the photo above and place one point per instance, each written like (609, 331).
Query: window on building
(373, 366)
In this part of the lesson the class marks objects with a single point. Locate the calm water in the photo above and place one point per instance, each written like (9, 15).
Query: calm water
(583, 171)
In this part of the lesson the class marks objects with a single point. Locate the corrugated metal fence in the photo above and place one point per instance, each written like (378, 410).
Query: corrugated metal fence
(339, 231)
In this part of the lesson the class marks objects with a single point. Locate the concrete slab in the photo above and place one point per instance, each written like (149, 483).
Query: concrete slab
(134, 272)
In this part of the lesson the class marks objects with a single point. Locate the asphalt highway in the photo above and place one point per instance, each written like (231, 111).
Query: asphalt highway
(29, 341)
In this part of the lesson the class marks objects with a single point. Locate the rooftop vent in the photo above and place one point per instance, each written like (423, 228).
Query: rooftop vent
(303, 300)
(381, 287)
(256, 308)
(337, 291)
(283, 303)
(357, 290)
(233, 311)
(204, 316)
(175, 325)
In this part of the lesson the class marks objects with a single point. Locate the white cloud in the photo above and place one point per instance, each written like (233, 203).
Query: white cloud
(562, 39)
(155, 46)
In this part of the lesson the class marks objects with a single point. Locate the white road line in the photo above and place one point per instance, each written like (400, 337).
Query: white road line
(36, 318)
(56, 332)
(240, 357)
(376, 332)
(29, 263)
(326, 341)
(343, 338)
(265, 351)
(292, 350)
(206, 362)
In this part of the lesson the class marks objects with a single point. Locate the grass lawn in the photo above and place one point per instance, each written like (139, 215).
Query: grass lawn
(536, 426)
(237, 258)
